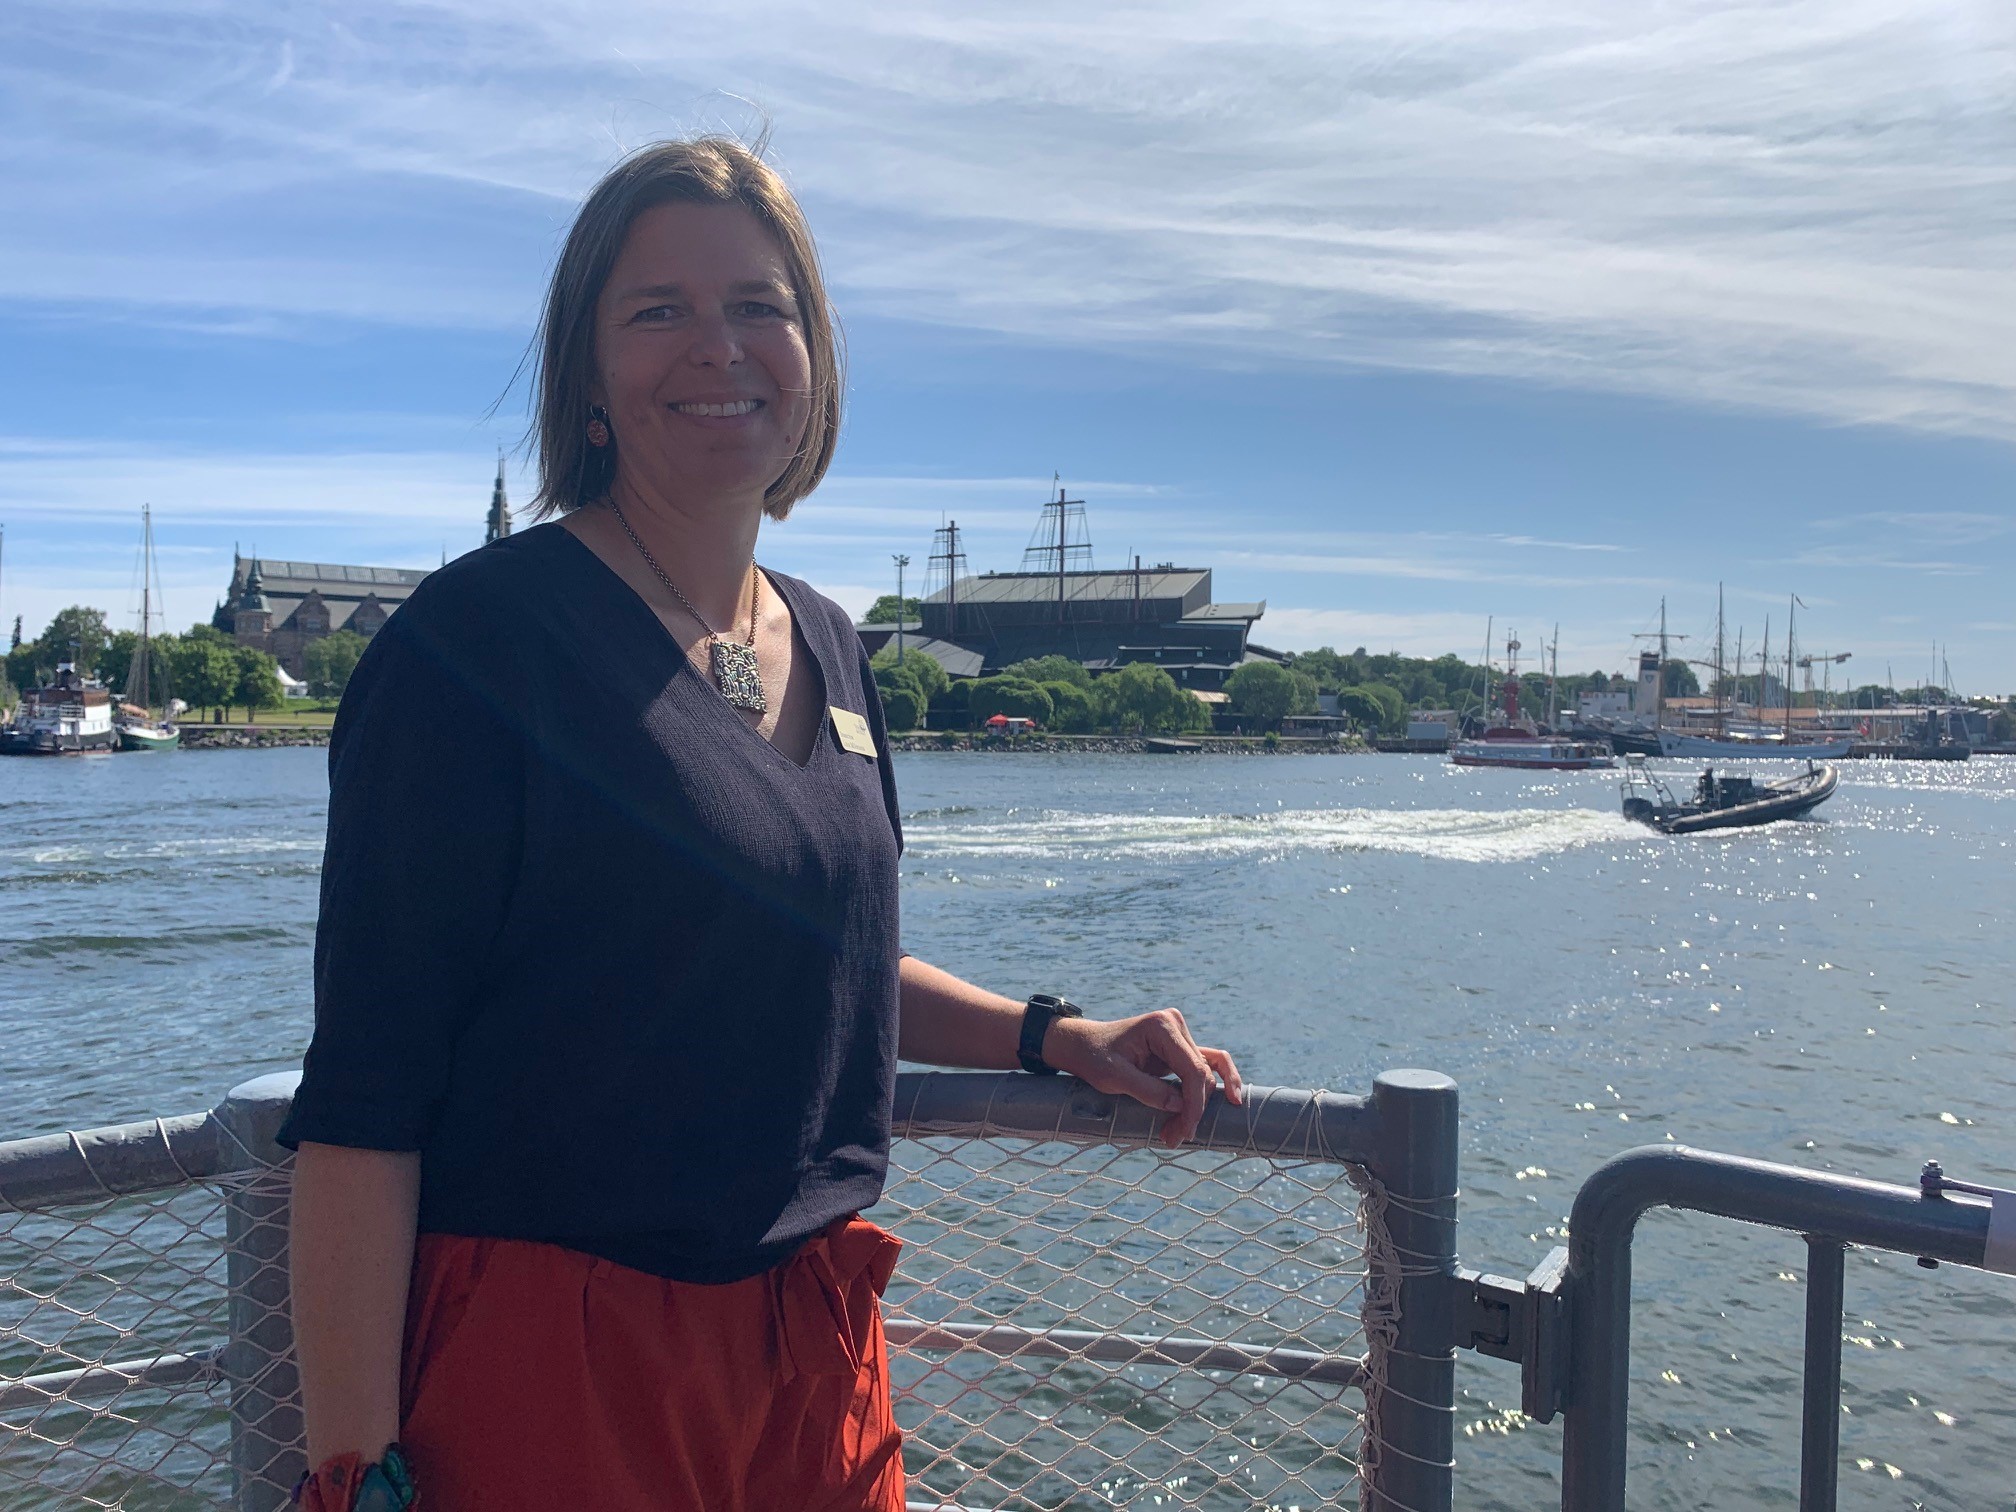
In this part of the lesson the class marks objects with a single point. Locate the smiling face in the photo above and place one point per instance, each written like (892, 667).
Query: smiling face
(701, 358)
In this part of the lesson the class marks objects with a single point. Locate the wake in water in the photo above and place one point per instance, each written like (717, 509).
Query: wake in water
(1438, 834)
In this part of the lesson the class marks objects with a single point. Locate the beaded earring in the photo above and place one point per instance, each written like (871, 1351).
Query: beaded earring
(598, 426)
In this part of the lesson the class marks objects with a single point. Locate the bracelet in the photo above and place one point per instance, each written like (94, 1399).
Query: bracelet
(344, 1483)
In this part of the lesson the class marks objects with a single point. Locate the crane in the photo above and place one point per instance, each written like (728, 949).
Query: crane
(1831, 662)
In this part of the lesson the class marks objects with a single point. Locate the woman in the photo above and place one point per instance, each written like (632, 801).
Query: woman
(609, 996)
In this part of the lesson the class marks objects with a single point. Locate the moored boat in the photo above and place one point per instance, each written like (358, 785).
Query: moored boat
(138, 729)
(73, 714)
(1520, 743)
(1735, 745)
(1723, 802)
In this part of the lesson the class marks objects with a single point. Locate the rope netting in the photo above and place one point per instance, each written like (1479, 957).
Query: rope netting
(1080, 1325)
(116, 1382)
(1072, 1324)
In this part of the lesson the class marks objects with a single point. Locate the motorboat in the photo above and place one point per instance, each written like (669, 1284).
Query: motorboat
(1722, 801)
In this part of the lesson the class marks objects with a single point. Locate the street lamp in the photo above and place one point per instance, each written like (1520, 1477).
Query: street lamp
(902, 604)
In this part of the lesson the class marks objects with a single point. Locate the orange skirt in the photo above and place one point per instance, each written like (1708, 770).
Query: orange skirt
(538, 1378)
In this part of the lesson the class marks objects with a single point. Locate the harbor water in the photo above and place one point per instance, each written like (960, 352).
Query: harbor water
(1833, 992)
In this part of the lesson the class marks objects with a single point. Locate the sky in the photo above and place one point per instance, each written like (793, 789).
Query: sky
(1403, 317)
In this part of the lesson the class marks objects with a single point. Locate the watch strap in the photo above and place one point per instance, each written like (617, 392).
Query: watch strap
(1042, 1010)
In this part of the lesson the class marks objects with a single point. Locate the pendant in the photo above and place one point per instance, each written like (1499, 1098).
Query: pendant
(736, 675)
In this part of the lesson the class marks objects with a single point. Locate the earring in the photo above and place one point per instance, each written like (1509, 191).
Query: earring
(598, 425)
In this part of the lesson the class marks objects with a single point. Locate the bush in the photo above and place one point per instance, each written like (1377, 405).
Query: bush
(1073, 710)
(1016, 697)
(901, 708)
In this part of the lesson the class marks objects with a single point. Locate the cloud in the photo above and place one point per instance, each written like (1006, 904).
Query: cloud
(1943, 527)
(1802, 207)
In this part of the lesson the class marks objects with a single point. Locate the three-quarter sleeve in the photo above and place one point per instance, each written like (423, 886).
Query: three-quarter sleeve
(426, 820)
(878, 727)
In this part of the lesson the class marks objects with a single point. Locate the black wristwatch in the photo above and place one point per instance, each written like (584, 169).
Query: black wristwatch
(1043, 1010)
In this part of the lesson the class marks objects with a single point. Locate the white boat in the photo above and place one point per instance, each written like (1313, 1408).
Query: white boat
(70, 715)
(138, 729)
(1735, 746)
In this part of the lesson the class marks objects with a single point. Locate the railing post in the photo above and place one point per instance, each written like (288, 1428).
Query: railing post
(1413, 1418)
(267, 1453)
(1820, 1430)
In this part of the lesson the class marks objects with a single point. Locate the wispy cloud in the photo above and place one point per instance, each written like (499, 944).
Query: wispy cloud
(1807, 207)
(1942, 527)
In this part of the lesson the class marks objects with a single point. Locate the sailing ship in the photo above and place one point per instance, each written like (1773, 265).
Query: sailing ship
(1518, 742)
(134, 719)
(1728, 739)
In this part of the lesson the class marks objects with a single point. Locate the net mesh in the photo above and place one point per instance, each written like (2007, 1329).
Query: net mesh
(115, 1380)
(1072, 1324)
(1090, 1326)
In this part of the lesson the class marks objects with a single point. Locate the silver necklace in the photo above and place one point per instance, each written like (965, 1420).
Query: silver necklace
(734, 662)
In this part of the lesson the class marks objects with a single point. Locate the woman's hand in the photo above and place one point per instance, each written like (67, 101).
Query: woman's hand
(1134, 1056)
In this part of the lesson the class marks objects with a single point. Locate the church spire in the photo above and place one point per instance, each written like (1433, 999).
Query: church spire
(499, 523)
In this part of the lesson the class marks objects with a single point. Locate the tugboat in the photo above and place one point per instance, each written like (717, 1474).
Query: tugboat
(1722, 802)
(70, 715)
(1518, 742)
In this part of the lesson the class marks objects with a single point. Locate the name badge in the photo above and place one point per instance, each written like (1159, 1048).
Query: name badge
(853, 732)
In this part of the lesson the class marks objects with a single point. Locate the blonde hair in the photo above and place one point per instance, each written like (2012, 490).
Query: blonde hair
(707, 170)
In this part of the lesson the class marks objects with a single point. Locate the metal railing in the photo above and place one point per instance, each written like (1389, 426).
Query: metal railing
(1261, 1318)
(1268, 1317)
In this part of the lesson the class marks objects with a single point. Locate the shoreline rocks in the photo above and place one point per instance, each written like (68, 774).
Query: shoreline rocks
(251, 737)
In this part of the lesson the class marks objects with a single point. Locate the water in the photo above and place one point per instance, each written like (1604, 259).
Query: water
(1833, 993)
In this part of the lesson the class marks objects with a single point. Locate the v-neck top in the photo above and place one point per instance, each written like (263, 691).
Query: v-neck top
(623, 972)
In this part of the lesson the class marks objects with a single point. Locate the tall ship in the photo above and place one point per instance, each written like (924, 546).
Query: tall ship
(1518, 742)
(1731, 736)
(134, 719)
(1646, 723)
(72, 714)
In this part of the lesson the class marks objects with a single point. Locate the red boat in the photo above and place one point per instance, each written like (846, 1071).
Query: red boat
(1518, 742)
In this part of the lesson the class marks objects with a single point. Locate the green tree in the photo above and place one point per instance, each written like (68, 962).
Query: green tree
(1267, 693)
(901, 709)
(1679, 680)
(28, 665)
(1392, 707)
(78, 629)
(330, 660)
(1073, 710)
(1142, 698)
(890, 610)
(1049, 669)
(257, 683)
(1359, 704)
(205, 670)
(115, 658)
(917, 670)
(1016, 697)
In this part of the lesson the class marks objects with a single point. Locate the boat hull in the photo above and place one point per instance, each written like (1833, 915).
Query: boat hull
(1785, 800)
(1532, 756)
(1698, 746)
(52, 743)
(149, 740)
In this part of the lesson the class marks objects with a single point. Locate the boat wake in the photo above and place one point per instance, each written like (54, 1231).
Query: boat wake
(1437, 834)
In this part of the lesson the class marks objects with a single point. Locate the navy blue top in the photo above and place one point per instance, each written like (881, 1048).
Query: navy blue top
(618, 968)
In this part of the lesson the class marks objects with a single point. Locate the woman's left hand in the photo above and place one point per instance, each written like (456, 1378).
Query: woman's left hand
(1135, 1056)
